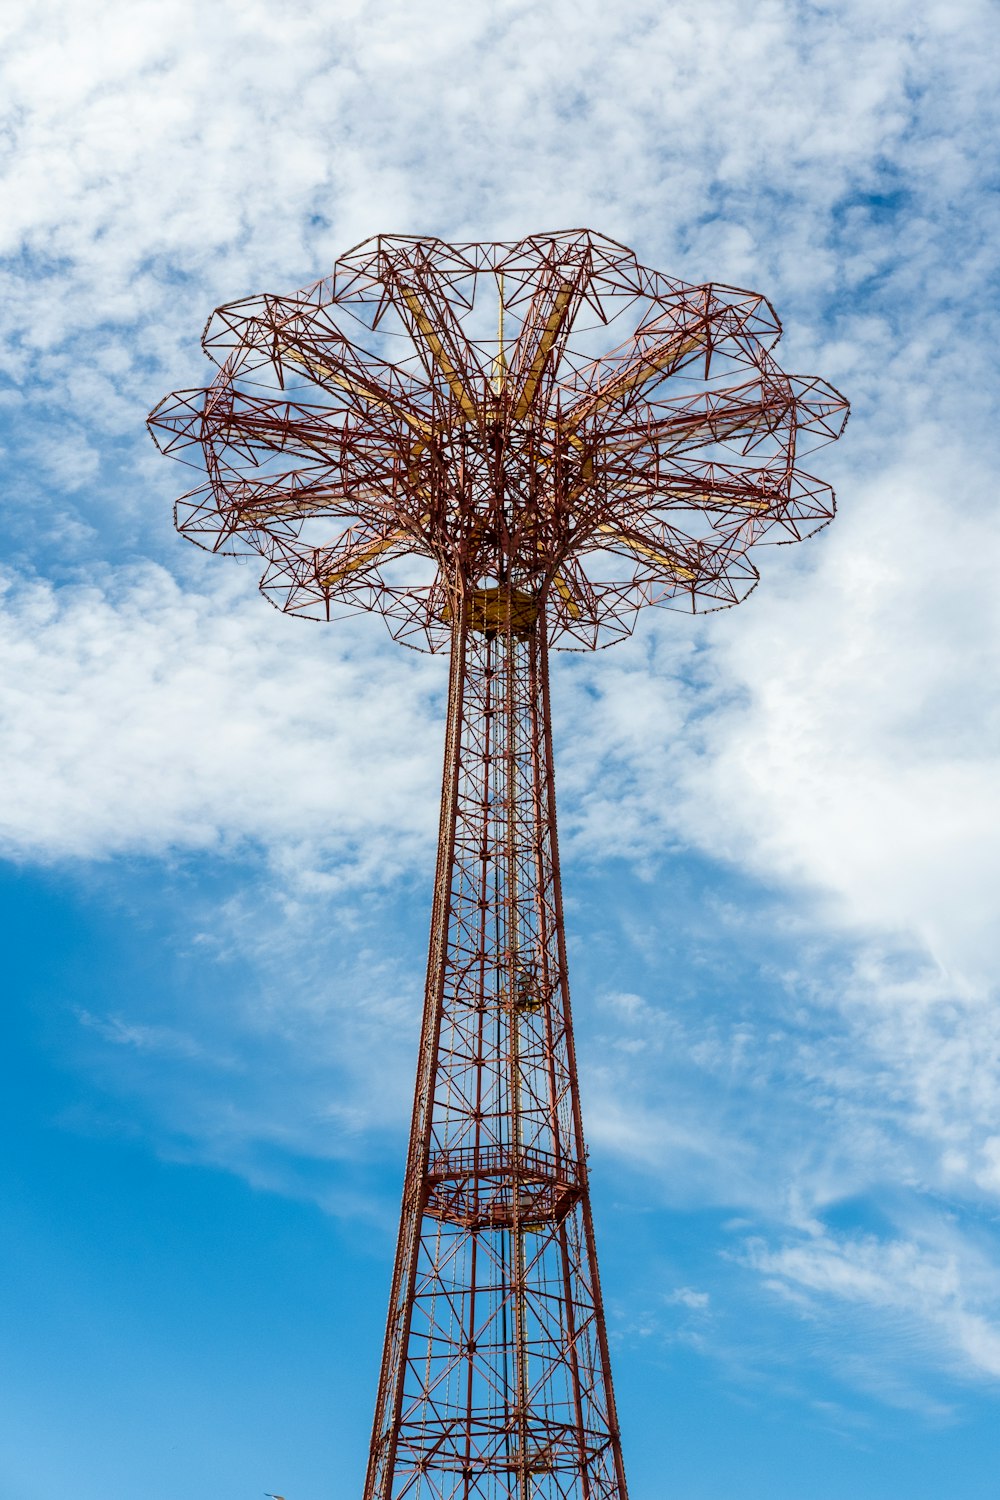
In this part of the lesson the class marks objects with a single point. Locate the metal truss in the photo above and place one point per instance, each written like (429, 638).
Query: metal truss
(495, 1377)
(436, 416)
(498, 447)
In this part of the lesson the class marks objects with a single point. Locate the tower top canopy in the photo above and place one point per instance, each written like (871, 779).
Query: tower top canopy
(542, 419)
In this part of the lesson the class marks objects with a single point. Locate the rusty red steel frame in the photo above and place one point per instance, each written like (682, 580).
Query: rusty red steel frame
(500, 447)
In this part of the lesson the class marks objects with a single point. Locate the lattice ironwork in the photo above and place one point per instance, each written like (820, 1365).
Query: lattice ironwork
(549, 410)
(498, 447)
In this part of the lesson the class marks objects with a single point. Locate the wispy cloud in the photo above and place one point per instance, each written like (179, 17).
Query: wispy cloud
(936, 1292)
(158, 1041)
(138, 717)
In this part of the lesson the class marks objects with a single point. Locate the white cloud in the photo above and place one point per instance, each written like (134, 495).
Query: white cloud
(938, 1292)
(280, 1050)
(686, 1296)
(156, 142)
(859, 747)
(161, 1041)
(137, 717)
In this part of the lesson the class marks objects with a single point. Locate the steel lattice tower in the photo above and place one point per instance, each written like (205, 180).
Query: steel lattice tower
(439, 432)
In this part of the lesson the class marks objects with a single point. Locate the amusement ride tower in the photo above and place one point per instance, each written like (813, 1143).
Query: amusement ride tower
(500, 447)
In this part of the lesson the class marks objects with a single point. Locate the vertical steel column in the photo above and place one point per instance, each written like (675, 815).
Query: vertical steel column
(495, 1378)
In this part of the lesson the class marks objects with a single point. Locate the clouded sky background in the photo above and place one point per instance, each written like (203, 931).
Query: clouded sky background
(779, 825)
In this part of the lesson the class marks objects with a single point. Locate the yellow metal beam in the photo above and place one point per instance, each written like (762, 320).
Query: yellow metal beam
(309, 502)
(355, 386)
(637, 372)
(566, 595)
(549, 334)
(643, 549)
(693, 495)
(714, 497)
(626, 445)
(429, 334)
(586, 479)
(564, 591)
(361, 558)
(500, 363)
(714, 428)
(401, 534)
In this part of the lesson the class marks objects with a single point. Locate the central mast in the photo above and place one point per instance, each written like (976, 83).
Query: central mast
(495, 1377)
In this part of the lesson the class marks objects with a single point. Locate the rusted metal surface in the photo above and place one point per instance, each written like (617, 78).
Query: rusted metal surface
(498, 446)
(495, 1376)
(436, 416)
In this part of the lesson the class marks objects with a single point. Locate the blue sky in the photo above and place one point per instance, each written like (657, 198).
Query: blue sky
(779, 825)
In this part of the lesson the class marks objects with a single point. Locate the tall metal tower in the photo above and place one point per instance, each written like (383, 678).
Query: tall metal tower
(499, 447)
